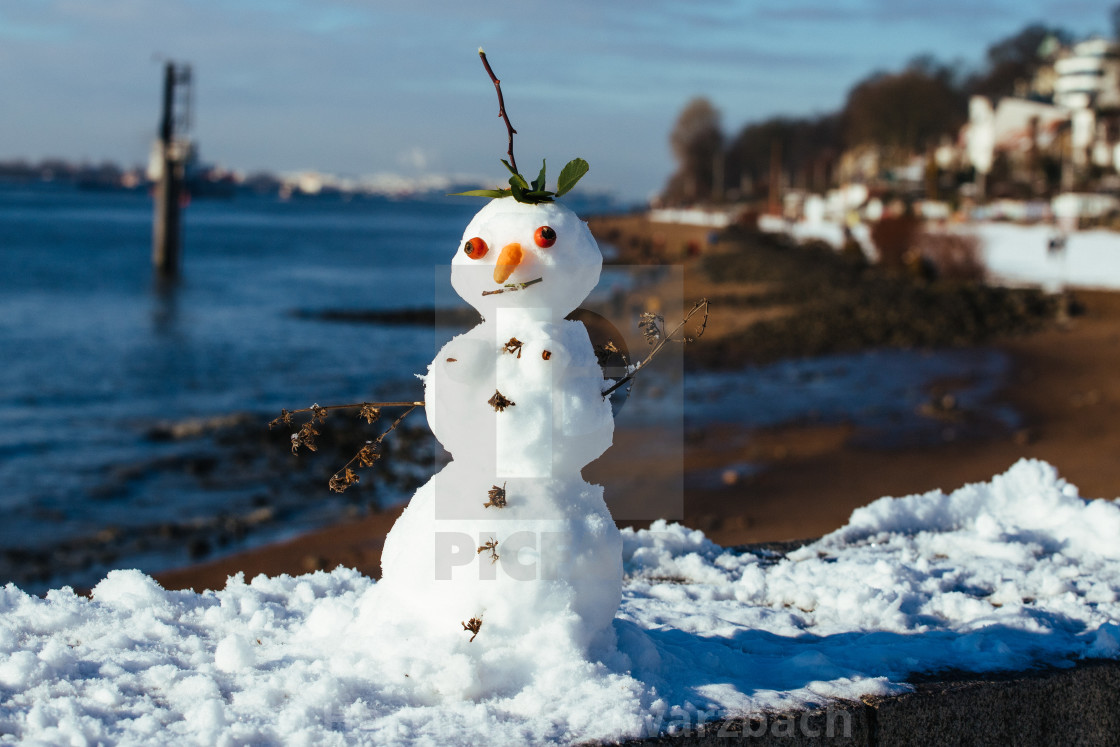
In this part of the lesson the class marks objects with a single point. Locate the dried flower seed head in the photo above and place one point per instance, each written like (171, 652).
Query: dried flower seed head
(306, 437)
(472, 626)
(650, 325)
(368, 454)
(513, 346)
(369, 412)
(499, 402)
(340, 481)
(318, 413)
(497, 497)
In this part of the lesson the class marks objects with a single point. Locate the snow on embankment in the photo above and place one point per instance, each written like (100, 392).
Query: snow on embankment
(1009, 574)
(1019, 254)
(1013, 254)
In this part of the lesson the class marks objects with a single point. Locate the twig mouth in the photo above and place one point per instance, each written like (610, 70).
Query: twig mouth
(510, 287)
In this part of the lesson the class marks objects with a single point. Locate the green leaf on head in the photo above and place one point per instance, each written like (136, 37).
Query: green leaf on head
(534, 193)
(572, 173)
(482, 193)
(538, 183)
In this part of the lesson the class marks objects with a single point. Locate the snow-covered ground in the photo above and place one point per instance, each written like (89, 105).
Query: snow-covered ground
(1009, 574)
(1014, 254)
(829, 231)
(1017, 254)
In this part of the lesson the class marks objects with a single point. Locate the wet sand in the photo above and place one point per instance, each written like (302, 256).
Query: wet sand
(1063, 384)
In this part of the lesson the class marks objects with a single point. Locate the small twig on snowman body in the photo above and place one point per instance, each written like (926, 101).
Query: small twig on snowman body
(501, 106)
(654, 336)
(509, 287)
(492, 546)
(500, 402)
(497, 497)
(473, 626)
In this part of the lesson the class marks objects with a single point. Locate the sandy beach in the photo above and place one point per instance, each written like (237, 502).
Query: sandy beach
(1062, 385)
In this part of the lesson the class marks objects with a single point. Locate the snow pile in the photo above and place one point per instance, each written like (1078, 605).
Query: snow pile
(1021, 254)
(1009, 574)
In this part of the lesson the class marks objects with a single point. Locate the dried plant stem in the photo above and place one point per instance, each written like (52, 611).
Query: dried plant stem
(701, 304)
(366, 455)
(501, 105)
(355, 404)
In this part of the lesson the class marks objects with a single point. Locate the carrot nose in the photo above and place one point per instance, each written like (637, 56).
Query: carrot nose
(508, 261)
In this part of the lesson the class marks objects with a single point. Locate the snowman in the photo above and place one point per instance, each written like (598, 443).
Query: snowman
(508, 536)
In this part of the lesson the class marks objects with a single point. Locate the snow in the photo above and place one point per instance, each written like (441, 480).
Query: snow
(1009, 574)
(819, 229)
(1016, 254)
(692, 217)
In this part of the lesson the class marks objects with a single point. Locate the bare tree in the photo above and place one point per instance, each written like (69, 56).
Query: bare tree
(697, 143)
(904, 112)
(1016, 58)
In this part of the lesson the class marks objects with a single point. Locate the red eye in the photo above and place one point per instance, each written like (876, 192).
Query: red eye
(544, 237)
(475, 248)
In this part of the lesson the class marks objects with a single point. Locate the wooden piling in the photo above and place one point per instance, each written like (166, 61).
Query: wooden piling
(166, 227)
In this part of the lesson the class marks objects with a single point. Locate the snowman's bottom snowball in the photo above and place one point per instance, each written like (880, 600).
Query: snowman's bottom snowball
(556, 565)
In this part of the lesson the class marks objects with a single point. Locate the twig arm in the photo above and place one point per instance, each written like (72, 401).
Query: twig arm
(701, 304)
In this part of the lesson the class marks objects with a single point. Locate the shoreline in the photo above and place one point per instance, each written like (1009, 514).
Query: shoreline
(1061, 383)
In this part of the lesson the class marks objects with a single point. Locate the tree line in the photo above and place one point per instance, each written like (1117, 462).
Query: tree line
(899, 113)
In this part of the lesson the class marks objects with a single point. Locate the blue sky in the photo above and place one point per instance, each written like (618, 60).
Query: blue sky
(395, 86)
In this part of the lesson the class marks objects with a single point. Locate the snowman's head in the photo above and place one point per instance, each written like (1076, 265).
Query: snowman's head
(539, 256)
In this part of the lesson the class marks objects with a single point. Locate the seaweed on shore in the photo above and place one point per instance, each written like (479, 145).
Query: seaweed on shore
(837, 303)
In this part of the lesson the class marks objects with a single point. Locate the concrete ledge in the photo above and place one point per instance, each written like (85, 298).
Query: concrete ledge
(1079, 705)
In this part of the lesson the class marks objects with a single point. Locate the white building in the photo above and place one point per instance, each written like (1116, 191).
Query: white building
(1088, 76)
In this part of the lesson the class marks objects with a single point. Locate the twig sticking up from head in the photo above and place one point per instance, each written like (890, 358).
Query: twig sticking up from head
(501, 106)
(653, 334)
